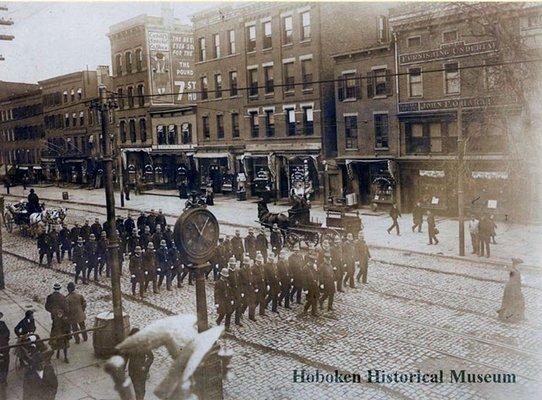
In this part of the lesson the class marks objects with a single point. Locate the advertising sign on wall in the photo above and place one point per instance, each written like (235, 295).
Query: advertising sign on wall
(160, 67)
(182, 60)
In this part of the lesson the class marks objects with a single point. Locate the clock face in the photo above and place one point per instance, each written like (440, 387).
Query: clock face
(196, 233)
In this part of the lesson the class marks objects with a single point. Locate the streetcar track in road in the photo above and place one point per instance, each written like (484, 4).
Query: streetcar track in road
(308, 361)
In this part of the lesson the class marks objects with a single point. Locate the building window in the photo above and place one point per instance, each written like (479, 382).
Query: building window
(381, 131)
(267, 37)
(74, 119)
(269, 81)
(120, 98)
(290, 121)
(218, 86)
(204, 88)
(79, 94)
(452, 78)
(289, 79)
(186, 133)
(216, 45)
(202, 54)
(435, 136)
(308, 121)
(270, 123)
(91, 117)
(254, 124)
(306, 25)
(118, 64)
(206, 128)
(143, 129)
(253, 82)
(140, 95)
(382, 29)
(233, 83)
(449, 36)
(348, 87)
(351, 131)
(81, 118)
(128, 61)
(382, 83)
(172, 135)
(220, 126)
(306, 73)
(287, 29)
(72, 95)
(414, 41)
(235, 125)
(132, 129)
(415, 85)
(139, 59)
(67, 120)
(130, 97)
(231, 42)
(160, 135)
(251, 38)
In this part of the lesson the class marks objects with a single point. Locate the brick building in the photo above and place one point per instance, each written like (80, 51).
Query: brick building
(22, 134)
(153, 76)
(72, 129)
(433, 44)
(266, 112)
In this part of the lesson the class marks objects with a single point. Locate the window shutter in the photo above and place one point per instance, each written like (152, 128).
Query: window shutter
(370, 84)
(389, 83)
(358, 87)
(340, 88)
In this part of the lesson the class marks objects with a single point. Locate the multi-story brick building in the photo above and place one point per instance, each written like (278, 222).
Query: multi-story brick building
(448, 59)
(153, 76)
(72, 129)
(22, 134)
(266, 109)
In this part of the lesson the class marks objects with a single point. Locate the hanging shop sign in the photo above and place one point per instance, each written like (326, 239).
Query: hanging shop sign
(449, 50)
(432, 173)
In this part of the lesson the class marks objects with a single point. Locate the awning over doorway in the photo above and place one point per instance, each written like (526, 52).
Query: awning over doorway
(212, 155)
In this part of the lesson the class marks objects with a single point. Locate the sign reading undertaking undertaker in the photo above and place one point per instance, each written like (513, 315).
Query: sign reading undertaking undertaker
(449, 51)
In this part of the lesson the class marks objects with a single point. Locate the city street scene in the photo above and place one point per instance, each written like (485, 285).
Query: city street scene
(270, 200)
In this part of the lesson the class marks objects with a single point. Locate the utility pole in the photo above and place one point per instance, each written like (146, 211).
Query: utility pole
(2, 283)
(104, 105)
(460, 172)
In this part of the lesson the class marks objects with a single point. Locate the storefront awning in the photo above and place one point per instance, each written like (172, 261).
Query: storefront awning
(212, 155)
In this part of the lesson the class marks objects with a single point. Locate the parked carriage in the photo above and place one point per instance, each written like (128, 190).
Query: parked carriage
(297, 227)
(29, 224)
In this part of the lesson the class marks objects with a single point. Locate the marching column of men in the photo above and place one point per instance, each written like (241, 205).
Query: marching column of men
(246, 279)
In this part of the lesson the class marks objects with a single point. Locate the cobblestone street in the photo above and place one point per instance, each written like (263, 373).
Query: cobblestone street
(418, 311)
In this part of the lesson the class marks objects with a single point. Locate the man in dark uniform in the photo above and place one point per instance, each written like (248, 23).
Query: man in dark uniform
(337, 262)
(149, 266)
(258, 283)
(394, 214)
(223, 301)
(262, 244)
(237, 246)
(296, 267)
(105, 227)
(175, 265)
(327, 283)
(313, 288)
(141, 222)
(54, 244)
(272, 281)
(96, 228)
(145, 237)
(157, 236)
(44, 247)
(91, 247)
(137, 272)
(129, 224)
(65, 242)
(285, 280)
(168, 236)
(101, 251)
(276, 240)
(75, 232)
(151, 221)
(164, 265)
(236, 292)
(250, 244)
(132, 242)
(363, 255)
(85, 231)
(245, 282)
(33, 205)
(349, 259)
(161, 219)
(79, 259)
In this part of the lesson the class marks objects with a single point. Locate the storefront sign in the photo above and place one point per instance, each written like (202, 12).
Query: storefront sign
(446, 51)
(182, 63)
(160, 66)
(432, 174)
(490, 175)
(446, 104)
(492, 204)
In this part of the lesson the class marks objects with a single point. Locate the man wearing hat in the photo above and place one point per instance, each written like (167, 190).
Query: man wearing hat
(75, 232)
(337, 262)
(151, 221)
(237, 245)
(276, 239)
(79, 259)
(141, 222)
(163, 264)
(65, 242)
(223, 301)
(54, 243)
(285, 280)
(296, 267)
(129, 225)
(262, 244)
(136, 271)
(250, 243)
(272, 281)
(161, 219)
(168, 236)
(149, 268)
(76, 306)
(85, 230)
(236, 293)
(157, 236)
(245, 282)
(132, 241)
(96, 228)
(313, 294)
(175, 265)
(327, 282)
(258, 283)
(349, 259)
(44, 247)
(145, 237)
(362, 251)
(56, 301)
(101, 251)
(91, 249)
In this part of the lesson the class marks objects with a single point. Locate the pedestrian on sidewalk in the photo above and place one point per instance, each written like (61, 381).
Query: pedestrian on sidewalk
(513, 303)
(139, 365)
(394, 214)
(473, 230)
(27, 325)
(56, 301)
(40, 381)
(59, 331)
(4, 356)
(76, 305)
(127, 192)
(493, 229)
(432, 228)
(417, 217)
(363, 253)
(485, 229)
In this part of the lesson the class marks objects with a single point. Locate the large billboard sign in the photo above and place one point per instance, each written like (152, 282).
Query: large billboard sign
(182, 60)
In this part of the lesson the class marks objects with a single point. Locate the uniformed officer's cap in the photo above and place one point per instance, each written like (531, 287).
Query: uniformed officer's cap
(162, 242)
(92, 236)
(259, 257)
(79, 239)
(337, 239)
(103, 233)
(246, 260)
(137, 249)
(225, 273)
(150, 245)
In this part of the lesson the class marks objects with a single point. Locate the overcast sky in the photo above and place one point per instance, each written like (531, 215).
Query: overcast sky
(55, 38)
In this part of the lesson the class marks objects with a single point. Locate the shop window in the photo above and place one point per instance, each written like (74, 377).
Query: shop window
(122, 131)
(140, 95)
(172, 136)
(130, 97)
(233, 83)
(235, 125)
(143, 129)
(308, 121)
(128, 61)
(435, 137)
(206, 127)
(289, 78)
(306, 73)
(202, 50)
(118, 64)
(287, 29)
(253, 82)
(139, 59)
(132, 129)
(351, 131)
(254, 124)
(269, 81)
(306, 25)
(220, 126)
(216, 45)
(452, 78)
(231, 42)
(267, 36)
(161, 134)
(218, 86)
(381, 131)
(186, 133)
(82, 118)
(290, 122)
(416, 141)
(449, 36)
(204, 87)
(251, 38)
(270, 123)
(415, 86)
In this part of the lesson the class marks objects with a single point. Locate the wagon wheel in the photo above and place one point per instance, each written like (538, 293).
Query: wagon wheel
(311, 238)
(292, 239)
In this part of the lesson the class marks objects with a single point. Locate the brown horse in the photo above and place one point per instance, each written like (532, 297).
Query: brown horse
(269, 218)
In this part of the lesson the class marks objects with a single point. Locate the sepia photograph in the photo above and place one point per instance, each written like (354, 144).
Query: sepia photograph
(275, 200)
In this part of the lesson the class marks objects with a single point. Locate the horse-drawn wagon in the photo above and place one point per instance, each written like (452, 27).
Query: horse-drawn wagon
(29, 223)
